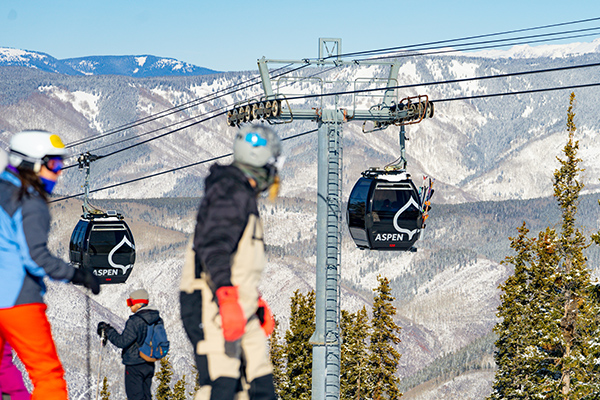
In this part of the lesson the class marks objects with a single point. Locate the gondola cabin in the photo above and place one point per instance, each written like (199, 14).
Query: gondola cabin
(385, 211)
(104, 244)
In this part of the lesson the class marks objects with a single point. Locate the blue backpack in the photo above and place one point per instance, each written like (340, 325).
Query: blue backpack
(155, 345)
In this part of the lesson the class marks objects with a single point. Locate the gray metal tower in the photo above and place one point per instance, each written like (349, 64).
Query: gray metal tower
(274, 108)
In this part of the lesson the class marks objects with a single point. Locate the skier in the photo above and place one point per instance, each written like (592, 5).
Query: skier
(11, 380)
(225, 318)
(138, 372)
(34, 164)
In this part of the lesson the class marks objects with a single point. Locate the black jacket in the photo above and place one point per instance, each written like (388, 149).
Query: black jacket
(133, 335)
(223, 214)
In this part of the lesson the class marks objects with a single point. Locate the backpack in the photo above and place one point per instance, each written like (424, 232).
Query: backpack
(155, 345)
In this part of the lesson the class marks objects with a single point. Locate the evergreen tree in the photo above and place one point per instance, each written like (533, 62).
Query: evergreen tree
(354, 356)
(164, 375)
(515, 314)
(546, 347)
(578, 324)
(298, 349)
(179, 389)
(196, 384)
(384, 358)
(278, 360)
(104, 393)
(541, 333)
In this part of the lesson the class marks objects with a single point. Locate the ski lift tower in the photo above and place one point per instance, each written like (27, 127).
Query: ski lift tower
(274, 108)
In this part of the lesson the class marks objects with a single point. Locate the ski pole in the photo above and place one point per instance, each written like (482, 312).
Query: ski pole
(103, 339)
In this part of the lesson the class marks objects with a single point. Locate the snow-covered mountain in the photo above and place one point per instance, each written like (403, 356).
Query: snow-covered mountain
(492, 158)
(141, 66)
(542, 51)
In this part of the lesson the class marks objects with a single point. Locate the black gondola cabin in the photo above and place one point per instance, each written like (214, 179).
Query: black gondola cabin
(103, 243)
(385, 211)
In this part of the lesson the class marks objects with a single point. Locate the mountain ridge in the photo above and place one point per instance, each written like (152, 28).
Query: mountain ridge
(141, 66)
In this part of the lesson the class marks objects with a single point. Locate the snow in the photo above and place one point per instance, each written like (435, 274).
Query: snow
(462, 70)
(141, 61)
(83, 102)
(16, 55)
(546, 50)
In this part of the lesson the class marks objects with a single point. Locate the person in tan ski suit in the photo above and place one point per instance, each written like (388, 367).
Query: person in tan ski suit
(223, 314)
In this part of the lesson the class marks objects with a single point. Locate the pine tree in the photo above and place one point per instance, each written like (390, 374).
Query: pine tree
(278, 361)
(578, 323)
(104, 393)
(515, 314)
(196, 384)
(298, 348)
(163, 391)
(354, 356)
(541, 332)
(179, 389)
(384, 358)
(549, 316)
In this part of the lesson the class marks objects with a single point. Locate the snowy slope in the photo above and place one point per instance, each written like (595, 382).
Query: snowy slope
(495, 149)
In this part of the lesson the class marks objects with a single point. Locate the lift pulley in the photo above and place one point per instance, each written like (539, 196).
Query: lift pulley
(408, 111)
(253, 111)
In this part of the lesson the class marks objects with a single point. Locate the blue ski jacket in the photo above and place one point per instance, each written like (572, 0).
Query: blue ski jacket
(24, 256)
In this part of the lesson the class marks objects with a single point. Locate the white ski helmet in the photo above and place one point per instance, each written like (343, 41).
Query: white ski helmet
(256, 146)
(28, 149)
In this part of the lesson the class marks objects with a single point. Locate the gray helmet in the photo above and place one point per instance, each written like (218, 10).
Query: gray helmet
(256, 146)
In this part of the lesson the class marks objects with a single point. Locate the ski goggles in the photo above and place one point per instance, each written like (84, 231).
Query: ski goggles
(132, 302)
(54, 164)
(255, 139)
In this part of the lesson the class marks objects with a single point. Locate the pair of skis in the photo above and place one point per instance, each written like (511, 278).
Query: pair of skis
(426, 192)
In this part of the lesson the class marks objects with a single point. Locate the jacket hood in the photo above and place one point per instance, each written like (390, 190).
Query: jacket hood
(221, 172)
(149, 315)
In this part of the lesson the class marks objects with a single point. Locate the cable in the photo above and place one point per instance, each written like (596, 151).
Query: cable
(195, 102)
(175, 130)
(214, 96)
(478, 48)
(170, 170)
(481, 96)
(439, 42)
(509, 74)
(570, 87)
(179, 108)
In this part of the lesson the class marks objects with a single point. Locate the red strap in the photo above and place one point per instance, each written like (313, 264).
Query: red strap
(131, 302)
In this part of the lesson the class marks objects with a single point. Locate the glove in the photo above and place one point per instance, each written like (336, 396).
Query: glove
(84, 277)
(102, 328)
(233, 321)
(265, 316)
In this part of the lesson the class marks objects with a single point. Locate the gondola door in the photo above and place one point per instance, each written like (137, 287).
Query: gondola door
(396, 215)
(110, 251)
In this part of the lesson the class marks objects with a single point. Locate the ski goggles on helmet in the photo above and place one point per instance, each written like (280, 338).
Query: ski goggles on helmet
(132, 302)
(54, 164)
(255, 139)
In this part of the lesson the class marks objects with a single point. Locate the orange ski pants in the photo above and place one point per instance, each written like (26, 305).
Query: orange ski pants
(27, 330)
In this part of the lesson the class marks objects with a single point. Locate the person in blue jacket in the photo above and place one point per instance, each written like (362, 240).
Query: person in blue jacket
(138, 372)
(35, 161)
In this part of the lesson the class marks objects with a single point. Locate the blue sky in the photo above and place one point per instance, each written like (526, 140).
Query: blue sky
(232, 35)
